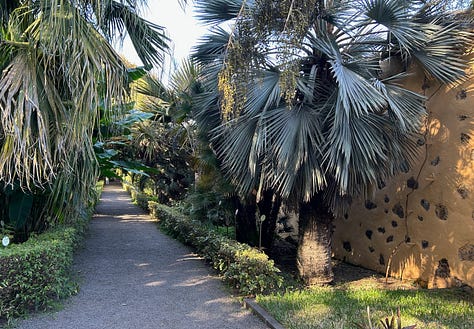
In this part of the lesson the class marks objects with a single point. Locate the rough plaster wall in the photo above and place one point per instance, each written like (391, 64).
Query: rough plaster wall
(421, 223)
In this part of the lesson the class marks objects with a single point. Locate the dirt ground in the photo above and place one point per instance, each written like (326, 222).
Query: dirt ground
(284, 255)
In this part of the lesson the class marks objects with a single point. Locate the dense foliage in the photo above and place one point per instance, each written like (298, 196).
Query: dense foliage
(59, 76)
(311, 93)
(308, 103)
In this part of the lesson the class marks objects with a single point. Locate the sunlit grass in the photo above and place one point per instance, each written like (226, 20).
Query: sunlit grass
(337, 308)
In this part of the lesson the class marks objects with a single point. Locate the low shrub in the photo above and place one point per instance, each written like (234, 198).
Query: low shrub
(139, 198)
(243, 267)
(35, 274)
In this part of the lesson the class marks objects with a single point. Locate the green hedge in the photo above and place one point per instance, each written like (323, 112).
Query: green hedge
(34, 275)
(139, 198)
(243, 267)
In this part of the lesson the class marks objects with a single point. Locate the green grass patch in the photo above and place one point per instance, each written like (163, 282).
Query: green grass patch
(338, 307)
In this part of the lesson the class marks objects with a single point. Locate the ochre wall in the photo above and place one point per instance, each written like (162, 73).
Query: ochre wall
(422, 222)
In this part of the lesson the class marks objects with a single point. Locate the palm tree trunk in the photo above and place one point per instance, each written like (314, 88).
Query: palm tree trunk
(245, 226)
(269, 206)
(314, 248)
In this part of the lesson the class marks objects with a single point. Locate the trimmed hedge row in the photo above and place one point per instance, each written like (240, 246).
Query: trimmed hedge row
(139, 198)
(36, 274)
(243, 267)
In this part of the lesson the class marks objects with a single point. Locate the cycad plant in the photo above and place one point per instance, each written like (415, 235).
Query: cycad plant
(312, 103)
(58, 67)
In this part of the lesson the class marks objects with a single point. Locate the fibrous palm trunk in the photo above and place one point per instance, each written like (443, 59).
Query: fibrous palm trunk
(314, 248)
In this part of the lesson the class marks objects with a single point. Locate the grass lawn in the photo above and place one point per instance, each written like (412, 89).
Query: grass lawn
(341, 306)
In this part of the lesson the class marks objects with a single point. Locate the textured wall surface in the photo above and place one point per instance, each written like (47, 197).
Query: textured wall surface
(421, 223)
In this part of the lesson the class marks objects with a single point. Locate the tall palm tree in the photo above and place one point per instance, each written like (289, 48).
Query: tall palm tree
(308, 109)
(58, 67)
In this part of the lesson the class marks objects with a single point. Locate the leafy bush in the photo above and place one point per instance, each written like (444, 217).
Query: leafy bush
(36, 273)
(139, 198)
(243, 267)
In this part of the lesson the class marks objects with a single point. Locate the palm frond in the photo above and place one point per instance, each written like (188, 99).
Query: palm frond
(234, 146)
(149, 39)
(295, 157)
(183, 80)
(217, 11)
(393, 16)
(441, 55)
(26, 153)
(211, 46)
(264, 91)
(405, 108)
(151, 96)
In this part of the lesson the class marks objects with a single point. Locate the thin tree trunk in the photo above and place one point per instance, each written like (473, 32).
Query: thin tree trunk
(314, 248)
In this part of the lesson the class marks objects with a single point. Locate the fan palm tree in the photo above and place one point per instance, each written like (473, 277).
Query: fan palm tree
(58, 67)
(307, 108)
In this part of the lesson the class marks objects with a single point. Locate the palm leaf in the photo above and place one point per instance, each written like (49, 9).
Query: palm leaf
(148, 39)
(295, 155)
(441, 56)
(217, 11)
(211, 46)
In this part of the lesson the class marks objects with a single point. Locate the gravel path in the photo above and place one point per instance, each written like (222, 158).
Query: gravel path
(133, 276)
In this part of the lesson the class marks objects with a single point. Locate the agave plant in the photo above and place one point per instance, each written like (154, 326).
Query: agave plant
(393, 323)
(308, 110)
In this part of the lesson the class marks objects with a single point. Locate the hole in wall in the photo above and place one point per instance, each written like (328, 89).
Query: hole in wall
(443, 270)
(466, 253)
(368, 234)
(462, 94)
(398, 210)
(381, 260)
(412, 183)
(425, 204)
(463, 192)
(347, 246)
(370, 205)
(435, 161)
(441, 211)
(424, 244)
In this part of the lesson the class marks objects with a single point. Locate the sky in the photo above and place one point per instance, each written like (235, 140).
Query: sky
(183, 29)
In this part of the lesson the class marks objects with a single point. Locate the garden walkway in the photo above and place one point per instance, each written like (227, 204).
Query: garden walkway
(133, 276)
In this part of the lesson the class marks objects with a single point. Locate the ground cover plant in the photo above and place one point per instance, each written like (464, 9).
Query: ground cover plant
(345, 306)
